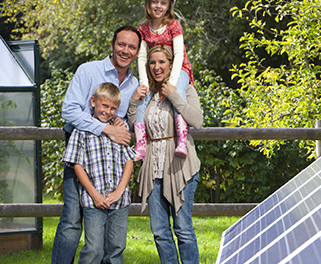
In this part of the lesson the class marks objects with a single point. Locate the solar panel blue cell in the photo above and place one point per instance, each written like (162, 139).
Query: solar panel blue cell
(282, 228)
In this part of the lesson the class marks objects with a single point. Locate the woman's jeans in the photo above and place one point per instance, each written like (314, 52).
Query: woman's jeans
(159, 211)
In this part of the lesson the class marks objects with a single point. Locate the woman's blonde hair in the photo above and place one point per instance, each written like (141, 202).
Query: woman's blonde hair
(109, 91)
(170, 56)
(169, 16)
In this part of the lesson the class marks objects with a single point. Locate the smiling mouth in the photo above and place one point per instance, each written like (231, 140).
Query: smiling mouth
(123, 57)
(158, 74)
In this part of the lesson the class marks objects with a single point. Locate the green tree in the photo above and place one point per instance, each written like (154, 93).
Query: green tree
(287, 95)
(52, 95)
(71, 32)
(234, 171)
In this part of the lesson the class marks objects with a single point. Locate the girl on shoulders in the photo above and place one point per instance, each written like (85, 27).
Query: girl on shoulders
(162, 29)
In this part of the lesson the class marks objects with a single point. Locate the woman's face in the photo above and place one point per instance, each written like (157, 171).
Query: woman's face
(159, 65)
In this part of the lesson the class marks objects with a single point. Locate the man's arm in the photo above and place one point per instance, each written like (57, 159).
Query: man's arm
(118, 132)
(76, 108)
(116, 195)
(99, 199)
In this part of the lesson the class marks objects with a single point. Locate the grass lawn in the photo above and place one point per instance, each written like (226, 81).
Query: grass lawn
(140, 245)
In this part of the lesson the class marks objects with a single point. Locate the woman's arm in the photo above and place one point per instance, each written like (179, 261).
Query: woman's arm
(190, 110)
(131, 114)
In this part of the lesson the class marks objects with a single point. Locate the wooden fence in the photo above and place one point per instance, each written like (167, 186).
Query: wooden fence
(211, 133)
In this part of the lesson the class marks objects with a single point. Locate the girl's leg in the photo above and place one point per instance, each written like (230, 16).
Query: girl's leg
(181, 125)
(142, 105)
(140, 129)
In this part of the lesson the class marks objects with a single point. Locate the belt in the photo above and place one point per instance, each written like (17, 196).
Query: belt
(157, 139)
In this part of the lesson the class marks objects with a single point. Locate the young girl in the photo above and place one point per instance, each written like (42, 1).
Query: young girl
(162, 29)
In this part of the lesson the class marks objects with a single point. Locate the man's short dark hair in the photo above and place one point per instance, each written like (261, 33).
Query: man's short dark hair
(127, 28)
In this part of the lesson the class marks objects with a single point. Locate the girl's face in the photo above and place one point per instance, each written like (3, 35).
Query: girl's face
(159, 8)
(159, 65)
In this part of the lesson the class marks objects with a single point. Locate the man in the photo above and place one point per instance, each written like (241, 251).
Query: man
(77, 111)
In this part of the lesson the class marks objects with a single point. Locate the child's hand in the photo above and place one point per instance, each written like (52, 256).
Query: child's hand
(114, 196)
(100, 201)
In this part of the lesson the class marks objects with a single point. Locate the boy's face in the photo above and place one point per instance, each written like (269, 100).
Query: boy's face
(104, 109)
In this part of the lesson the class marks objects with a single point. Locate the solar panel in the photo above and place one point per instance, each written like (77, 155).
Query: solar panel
(284, 228)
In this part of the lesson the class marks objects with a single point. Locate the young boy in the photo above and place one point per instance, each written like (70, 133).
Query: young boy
(103, 169)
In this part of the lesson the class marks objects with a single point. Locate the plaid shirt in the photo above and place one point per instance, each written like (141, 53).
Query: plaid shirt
(104, 162)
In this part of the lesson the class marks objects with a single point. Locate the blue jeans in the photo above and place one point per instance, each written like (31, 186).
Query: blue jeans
(69, 228)
(181, 86)
(100, 225)
(159, 211)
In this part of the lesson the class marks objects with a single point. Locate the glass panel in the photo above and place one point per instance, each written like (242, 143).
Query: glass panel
(11, 73)
(17, 160)
(24, 52)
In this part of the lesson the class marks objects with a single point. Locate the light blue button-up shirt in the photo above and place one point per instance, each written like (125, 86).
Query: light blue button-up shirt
(76, 108)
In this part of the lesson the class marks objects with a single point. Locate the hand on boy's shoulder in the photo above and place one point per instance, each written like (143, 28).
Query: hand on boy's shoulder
(119, 122)
(118, 133)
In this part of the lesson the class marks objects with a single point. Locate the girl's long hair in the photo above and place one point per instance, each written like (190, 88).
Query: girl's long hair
(169, 16)
(153, 85)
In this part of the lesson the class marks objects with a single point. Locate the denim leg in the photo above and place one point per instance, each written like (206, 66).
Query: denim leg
(181, 85)
(183, 225)
(141, 107)
(95, 226)
(70, 227)
(116, 234)
(159, 214)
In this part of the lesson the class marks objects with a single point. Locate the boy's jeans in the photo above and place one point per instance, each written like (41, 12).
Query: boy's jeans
(104, 227)
(159, 211)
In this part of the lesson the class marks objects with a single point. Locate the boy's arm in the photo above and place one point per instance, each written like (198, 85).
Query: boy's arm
(99, 199)
(116, 195)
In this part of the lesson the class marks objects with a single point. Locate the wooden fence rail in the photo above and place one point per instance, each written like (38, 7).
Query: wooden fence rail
(209, 133)
(54, 210)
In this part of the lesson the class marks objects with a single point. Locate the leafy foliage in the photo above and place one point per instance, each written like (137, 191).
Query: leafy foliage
(287, 95)
(52, 95)
(234, 171)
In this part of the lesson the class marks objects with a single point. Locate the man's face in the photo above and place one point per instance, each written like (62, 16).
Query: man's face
(125, 49)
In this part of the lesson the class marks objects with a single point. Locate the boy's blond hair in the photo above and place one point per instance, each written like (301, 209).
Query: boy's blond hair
(109, 91)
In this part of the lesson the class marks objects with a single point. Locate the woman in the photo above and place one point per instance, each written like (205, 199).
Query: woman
(168, 181)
